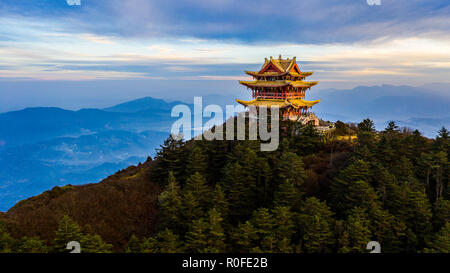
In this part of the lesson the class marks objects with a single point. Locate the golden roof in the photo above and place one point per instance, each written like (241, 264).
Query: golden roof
(269, 74)
(280, 83)
(296, 103)
(302, 103)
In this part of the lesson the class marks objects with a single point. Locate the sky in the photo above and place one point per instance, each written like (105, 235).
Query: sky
(88, 53)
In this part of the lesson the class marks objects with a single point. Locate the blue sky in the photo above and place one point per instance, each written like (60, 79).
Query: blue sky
(50, 44)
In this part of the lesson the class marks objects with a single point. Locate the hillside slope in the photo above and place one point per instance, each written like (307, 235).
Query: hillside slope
(116, 208)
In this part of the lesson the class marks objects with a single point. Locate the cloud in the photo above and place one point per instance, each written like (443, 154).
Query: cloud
(342, 41)
(96, 39)
(262, 21)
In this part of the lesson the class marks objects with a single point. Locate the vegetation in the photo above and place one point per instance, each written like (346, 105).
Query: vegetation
(314, 194)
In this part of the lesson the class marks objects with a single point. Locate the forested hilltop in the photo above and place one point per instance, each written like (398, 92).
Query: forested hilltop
(314, 194)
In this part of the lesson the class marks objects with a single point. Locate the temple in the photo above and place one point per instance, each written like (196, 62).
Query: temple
(281, 83)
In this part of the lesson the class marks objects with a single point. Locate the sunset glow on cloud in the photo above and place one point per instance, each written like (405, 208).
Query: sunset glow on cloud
(347, 43)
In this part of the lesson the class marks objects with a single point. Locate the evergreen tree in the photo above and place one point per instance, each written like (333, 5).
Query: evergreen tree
(7, 242)
(263, 222)
(356, 232)
(366, 125)
(441, 213)
(169, 158)
(197, 238)
(288, 195)
(404, 172)
(220, 202)
(216, 235)
(68, 230)
(351, 188)
(240, 189)
(442, 142)
(283, 229)
(31, 245)
(392, 127)
(316, 225)
(196, 184)
(389, 231)
(197, 162)
(163, 242)
(169, 242)
(207, 236)
(290, 167)
(245, 237)
(94, 244)
(441, 242)
(191, 209)
(134, 245)
(413, 209)
(170, 203)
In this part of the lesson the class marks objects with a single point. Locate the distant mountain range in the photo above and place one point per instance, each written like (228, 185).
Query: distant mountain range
(44, 147)
(48, 146)
(418, 108)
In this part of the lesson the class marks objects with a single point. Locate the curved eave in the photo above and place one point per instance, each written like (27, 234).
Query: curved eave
(296, 103)
(303, 84)
(301, 74)
(273, 84)
(265, 74)
(264, 102)
(302, 103)
(272, 74)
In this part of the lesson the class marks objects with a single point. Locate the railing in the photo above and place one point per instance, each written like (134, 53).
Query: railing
(278, 95)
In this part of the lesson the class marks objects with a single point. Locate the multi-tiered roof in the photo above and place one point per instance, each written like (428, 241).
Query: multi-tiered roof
(280, 83)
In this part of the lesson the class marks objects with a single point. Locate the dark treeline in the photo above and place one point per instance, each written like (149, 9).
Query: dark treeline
(317, 193)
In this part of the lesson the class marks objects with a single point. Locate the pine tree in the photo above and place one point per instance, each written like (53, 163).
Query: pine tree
(288, 195)
(197, 162)
(68, 230)
(441, 242)
(191, 209)
(441, 213)
(263, 222)
(283, 229)
(366, 125)
(245, 237)
(290, 167)
(134, 245)
(7, 242)
(31, 245)
(163, 242)
(351, 188)
(316, 225)
(216, 235)
(196, 184)
(169, 242)
(389, 231)
(356, 232)
(94, 244)
(404, 172)
(392, 127)
(196, 238)
(170, 203)
(207, 236)
(220, 202)
(240, 191)
(413, 209)
(170, 158)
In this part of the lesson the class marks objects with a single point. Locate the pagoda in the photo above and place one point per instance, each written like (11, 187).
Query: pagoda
(281, 83)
